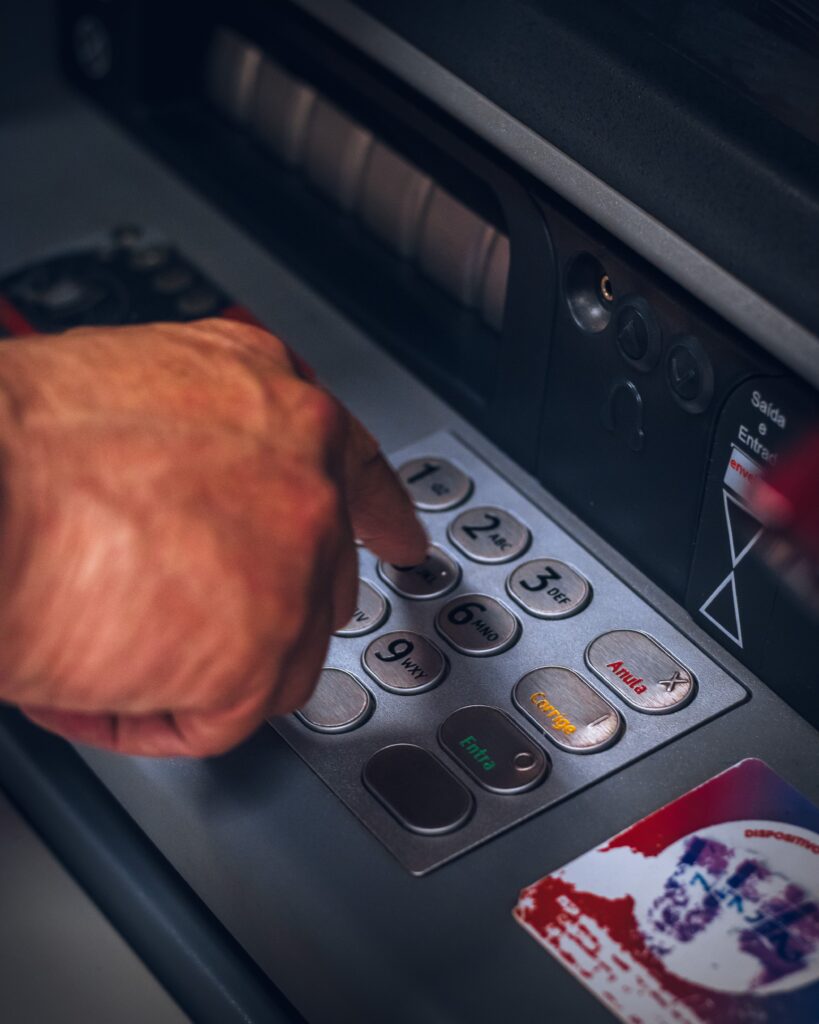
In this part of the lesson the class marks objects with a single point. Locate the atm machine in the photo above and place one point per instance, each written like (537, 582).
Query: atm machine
(562, 259)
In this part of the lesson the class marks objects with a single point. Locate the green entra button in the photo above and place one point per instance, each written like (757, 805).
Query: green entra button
(496, 753)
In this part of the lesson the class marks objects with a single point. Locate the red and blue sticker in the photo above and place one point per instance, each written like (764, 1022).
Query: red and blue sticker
(705, 912)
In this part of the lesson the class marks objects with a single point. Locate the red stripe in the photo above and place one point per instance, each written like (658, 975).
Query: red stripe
(13, 320)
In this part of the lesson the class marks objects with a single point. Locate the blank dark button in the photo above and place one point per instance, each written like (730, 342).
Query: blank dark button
(690, 374)
(638, 333)
(417, 789)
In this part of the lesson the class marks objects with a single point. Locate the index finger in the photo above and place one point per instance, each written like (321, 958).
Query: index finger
(381, 512)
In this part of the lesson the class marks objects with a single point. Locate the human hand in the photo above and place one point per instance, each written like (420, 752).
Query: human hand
(179, 508)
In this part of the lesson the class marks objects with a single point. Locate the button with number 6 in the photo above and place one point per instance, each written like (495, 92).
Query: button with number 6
(489, 535)
(549, 589)
(477, 624)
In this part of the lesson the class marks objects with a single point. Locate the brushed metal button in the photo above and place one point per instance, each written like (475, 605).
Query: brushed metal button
(489, 535)
(571, 713)
(404, 662)
(477, 625)
(434, 485)
(371, 609)
(641, 672)
(434, 577)
(548, 588)
(339, 703)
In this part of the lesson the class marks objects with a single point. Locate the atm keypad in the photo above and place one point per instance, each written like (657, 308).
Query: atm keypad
(492, 683)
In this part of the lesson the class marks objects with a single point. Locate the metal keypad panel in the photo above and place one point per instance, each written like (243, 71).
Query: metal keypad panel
(501, 677)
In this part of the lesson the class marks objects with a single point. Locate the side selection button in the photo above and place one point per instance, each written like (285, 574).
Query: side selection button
(493, 750)
(489, 535)
(548, 589)
(434, 577)
(640, 671)
(339, 703)
(371, 609)
(404, 662)
(434, 485)
(477, 625)
(417, 789)
(569, 711)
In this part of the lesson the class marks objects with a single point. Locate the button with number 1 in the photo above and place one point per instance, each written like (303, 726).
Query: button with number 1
(434, 485)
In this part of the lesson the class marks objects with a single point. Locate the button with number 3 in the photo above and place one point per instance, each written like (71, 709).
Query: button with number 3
(489, 535)
(548, 589)
(434, 485)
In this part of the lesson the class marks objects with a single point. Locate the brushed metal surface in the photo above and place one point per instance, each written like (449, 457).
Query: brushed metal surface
(339, 703)
(435, 576)
(568, 710)
(640, 671)
(404, 662)
(371, 610)
(477, 625)
(548, 588)
(489, 535)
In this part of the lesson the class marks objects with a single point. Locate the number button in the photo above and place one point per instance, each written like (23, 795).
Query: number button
(405, 662)
(339, 703)
(434, 577)
(435, 485)
(477, 625)
(371, 609)
(549, 589)
(489, 535)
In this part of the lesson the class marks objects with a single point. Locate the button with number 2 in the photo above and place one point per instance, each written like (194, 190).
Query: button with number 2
(489, 535)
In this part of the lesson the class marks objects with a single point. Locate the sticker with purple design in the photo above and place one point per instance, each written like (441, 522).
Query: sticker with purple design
(705, 912)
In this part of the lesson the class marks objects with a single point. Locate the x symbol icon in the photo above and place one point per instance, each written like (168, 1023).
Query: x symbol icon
(678, 677)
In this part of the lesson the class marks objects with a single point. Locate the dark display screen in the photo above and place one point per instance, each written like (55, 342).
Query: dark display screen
(766, 49)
